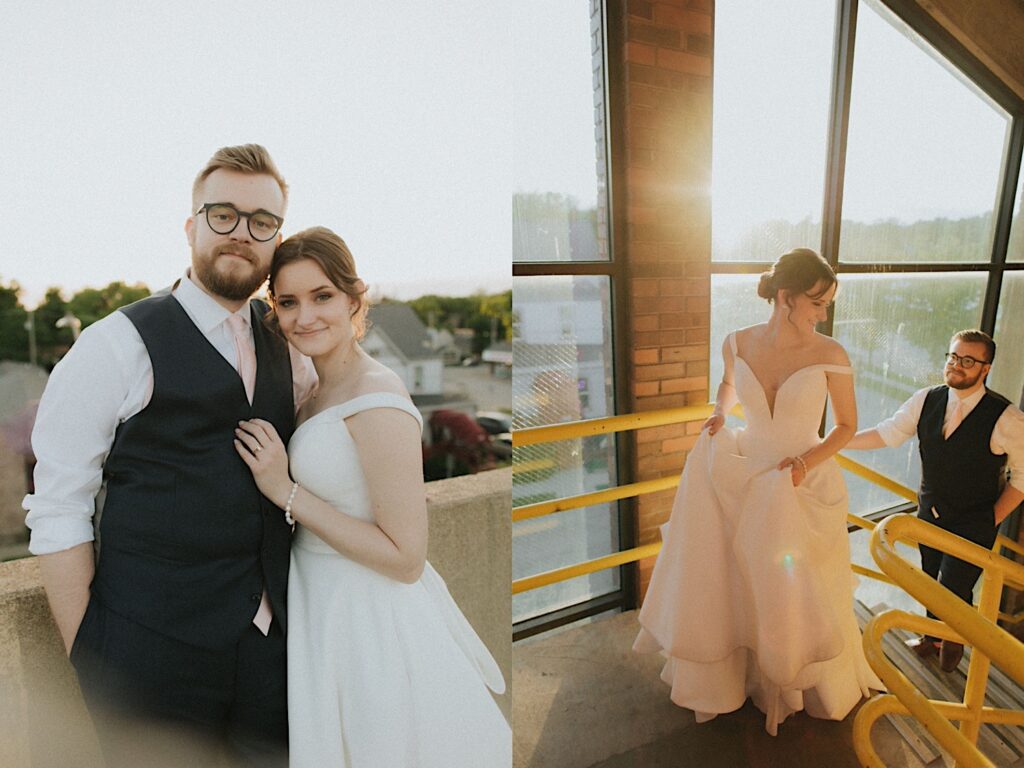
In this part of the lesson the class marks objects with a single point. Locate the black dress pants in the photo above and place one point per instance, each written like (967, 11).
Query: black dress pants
(956, 575)
(160, 703)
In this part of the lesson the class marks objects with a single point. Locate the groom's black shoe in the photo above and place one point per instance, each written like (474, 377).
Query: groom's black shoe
(950, 655)
(924, 647)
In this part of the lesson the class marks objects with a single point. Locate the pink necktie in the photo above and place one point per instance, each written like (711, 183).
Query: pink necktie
(954, 419)
(247, 370)
(245, 354)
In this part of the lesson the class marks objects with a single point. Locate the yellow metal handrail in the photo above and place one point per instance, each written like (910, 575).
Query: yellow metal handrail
(607, 425)
(582, 569)
(627, 422)
(962, 624)
(633, 421)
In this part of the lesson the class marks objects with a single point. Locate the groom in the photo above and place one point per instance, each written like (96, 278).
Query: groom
(969, 436)
(165, 569)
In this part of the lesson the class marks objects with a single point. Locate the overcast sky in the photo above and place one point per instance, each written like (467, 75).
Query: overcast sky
(390, 121)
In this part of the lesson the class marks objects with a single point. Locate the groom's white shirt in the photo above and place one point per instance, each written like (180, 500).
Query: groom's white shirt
(104, 380)
(1007, 434)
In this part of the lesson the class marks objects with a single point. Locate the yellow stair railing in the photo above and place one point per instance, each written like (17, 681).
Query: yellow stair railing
(964, 623)
(960, 623)
(645, 420)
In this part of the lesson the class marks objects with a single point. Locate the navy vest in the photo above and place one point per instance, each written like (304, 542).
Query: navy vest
(186, 541)
(960, 477)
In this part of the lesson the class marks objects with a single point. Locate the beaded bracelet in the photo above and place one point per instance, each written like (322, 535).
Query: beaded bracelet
(288, 506)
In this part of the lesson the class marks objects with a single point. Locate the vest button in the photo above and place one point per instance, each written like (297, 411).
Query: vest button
(254, 597)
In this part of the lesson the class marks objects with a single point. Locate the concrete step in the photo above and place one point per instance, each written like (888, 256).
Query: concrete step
(583, 699)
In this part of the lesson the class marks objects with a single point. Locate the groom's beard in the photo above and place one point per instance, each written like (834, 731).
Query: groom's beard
(963, 381)
(235, 284)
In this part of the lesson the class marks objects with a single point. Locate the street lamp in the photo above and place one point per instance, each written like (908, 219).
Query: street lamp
(72, 322)
(30, 326)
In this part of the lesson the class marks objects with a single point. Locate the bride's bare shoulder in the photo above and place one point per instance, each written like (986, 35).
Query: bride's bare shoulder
(831, 351)
(379, 378)
(751, 335)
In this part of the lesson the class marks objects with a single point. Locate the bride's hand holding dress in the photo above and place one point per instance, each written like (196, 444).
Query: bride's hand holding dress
(752, 592)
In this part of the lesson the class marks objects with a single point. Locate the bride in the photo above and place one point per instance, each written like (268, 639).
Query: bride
(383, 669)
(752, 594)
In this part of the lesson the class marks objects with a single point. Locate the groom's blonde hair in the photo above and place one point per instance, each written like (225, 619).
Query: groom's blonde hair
(245, 158)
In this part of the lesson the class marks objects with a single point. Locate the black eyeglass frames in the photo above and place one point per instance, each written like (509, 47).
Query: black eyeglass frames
(223, 218)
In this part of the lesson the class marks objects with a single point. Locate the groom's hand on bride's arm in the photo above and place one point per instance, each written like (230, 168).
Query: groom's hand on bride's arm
(260, 447)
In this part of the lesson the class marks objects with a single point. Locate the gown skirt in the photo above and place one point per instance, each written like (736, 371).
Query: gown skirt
(752, 592)
(380, 673)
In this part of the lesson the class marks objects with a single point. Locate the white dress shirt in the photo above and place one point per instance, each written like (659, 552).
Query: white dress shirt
(104, 380)
(1007, 434)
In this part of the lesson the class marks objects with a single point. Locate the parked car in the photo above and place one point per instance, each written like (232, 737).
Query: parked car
(457, 446)
(494, 422)
(498, 426)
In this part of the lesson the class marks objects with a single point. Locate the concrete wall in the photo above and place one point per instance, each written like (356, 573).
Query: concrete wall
(12, 491)
(43, 722)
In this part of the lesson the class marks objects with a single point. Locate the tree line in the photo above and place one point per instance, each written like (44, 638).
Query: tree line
(52, 337)
(485, 314)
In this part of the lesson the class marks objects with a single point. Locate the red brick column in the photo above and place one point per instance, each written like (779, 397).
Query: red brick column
(667, 136)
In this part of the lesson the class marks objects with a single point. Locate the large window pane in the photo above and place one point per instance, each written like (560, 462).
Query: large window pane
(558, 166)
(562, 372)
(1007, 375)
(896, 329)
(771, 98)
(1015, 252)
(923, 154)
(734, 304)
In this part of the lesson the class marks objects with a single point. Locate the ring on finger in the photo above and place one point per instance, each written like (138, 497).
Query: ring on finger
(258, 448)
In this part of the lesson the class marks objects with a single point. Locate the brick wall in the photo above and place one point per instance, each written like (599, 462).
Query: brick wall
(666, 65)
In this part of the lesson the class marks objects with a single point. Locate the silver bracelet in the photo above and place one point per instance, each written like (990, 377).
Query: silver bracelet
(803, 464)
(288, 506)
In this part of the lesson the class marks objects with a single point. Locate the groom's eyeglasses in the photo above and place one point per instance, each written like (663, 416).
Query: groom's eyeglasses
(965, 362)
(224, 217)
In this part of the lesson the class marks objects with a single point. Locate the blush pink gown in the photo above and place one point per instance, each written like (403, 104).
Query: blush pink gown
(752, 593)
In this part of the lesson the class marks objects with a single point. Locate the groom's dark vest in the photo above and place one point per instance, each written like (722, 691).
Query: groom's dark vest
(960, 477)
(186, 541)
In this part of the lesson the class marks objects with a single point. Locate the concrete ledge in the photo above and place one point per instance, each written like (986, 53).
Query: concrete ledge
(471, 547)
(43, 721)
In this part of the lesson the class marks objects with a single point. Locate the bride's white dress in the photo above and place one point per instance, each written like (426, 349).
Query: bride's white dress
(380, 673)
(752, 592)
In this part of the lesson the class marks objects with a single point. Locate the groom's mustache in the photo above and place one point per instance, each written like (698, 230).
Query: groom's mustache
(237, 249)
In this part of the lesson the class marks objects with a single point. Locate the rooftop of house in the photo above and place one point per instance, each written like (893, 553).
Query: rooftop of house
(404, 329)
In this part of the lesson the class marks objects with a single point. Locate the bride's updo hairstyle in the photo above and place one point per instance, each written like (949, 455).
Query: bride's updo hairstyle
(321, 245)
(798, 271)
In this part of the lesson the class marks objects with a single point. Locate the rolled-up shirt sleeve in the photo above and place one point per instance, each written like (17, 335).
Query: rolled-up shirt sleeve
(84, 401)
(902, 425)
(1008, 438)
